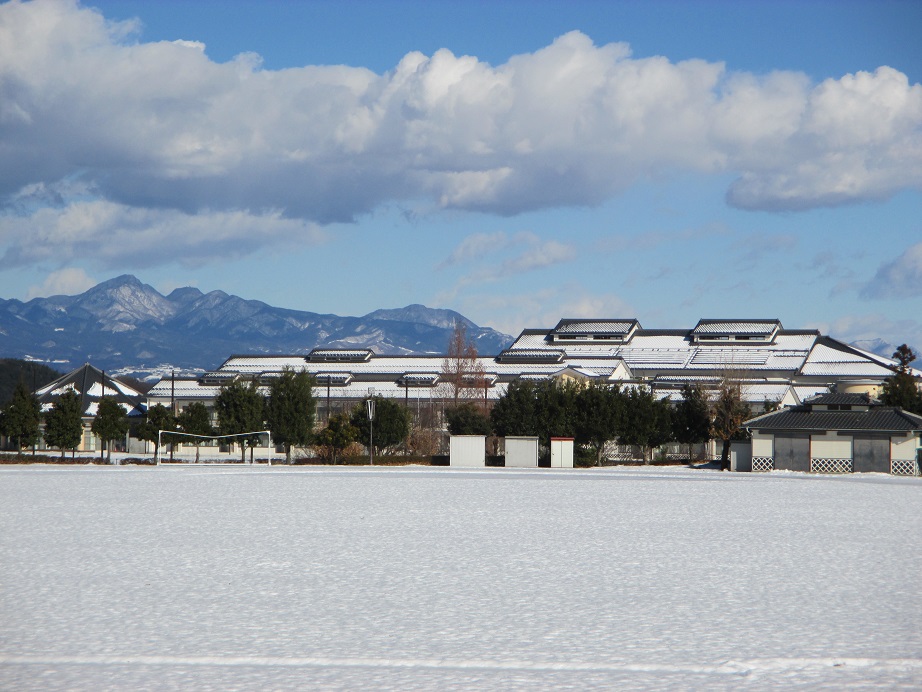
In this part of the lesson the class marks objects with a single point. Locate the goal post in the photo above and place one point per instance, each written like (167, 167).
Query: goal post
(244, 435)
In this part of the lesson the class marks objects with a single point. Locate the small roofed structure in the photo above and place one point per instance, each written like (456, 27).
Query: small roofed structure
(837, 433)
(91, 384)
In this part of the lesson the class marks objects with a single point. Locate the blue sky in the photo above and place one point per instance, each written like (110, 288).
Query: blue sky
(519, 162)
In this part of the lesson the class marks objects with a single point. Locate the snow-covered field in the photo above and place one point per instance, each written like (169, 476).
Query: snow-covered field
(435, 578)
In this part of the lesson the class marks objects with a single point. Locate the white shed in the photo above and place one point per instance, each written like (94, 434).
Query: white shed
(467, 450)
(521, 451)
(562, 452)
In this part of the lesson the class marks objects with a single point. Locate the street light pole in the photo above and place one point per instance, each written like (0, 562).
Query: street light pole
(370, 404)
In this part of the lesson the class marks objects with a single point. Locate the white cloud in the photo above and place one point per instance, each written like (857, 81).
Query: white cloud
(67, 282)
(158, 125)
(511, 313)
(486, 250)
(873, 327)
(114, 234)
(475, 247)
(900, 278)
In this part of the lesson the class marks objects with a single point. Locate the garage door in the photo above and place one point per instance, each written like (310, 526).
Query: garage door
(871, 453)
(792, 452)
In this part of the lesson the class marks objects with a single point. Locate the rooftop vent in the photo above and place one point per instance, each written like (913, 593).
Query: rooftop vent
(336, 355)
(617, 330)
(530, 355)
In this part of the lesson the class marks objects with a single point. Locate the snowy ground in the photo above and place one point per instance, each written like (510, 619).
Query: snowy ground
(419, 578)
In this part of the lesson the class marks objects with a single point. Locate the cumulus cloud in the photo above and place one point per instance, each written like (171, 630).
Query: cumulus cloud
(115, 234)
(160, 126)
(67, 282)
(874, 328)
(510, 313)
(900, 278)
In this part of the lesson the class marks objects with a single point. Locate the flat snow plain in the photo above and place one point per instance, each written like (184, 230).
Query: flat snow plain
(252, 578)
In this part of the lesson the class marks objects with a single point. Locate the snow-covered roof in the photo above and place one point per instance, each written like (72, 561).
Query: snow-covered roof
(804, 359)
(91, 384)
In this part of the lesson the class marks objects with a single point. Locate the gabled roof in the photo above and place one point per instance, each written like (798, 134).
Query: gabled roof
(885, 419)
(91, 384)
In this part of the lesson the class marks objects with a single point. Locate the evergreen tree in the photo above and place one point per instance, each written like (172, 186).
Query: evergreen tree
(196, 420)
(467, 419)
(64, 423)
(599, 416)
(158, 418)
(240, 408)
(647, 421)
(391, 423)
(555, 408)
(902, 389)
(290, 410)
(691, 420)
(21, 419)
(337, 436)
(110, 423)
(516, 412)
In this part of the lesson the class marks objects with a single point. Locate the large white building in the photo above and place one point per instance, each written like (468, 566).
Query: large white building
(774, 364)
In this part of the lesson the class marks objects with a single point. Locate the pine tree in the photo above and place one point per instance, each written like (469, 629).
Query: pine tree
(21, 418)
(902, 389)
(600, 410)
(157, 419)
(110, 423)
(240, 408)
(64, 423)
(691, 420)
(515, 412)
(467, 419)
(290, 410)
(337, 436)
(391, 423)
(195, 420)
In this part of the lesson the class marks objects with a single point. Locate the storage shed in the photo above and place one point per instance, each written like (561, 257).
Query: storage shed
(521, 452)
(562, 452)
(837, 433)
(467, 450)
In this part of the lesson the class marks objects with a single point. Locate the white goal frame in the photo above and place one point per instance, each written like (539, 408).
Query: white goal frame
(160, 433)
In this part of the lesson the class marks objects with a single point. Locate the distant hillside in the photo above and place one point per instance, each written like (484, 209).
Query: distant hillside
(33, 374)
(129, 329)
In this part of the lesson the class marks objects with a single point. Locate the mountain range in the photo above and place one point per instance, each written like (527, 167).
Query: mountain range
(127, 327)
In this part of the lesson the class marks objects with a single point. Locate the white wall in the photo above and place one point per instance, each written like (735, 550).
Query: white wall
(467, 450)
(762, 445)
(521, 451)
(904, 447)
(830, 446)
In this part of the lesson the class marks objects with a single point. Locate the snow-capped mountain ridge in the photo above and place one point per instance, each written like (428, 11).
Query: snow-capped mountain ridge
(126, 325)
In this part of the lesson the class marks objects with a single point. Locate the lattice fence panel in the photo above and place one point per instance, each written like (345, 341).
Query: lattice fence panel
(763, 464)
(830, 465)
(904, 467)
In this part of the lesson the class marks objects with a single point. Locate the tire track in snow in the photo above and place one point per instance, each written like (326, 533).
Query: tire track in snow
(738, 668)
